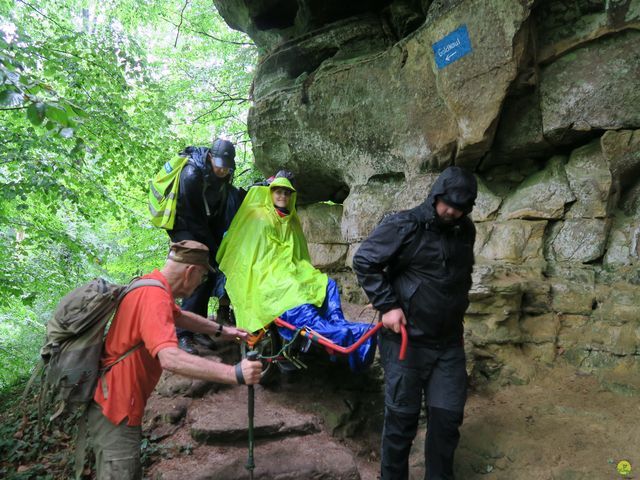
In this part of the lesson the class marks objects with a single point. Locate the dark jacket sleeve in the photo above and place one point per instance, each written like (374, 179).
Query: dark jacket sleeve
(374, 255)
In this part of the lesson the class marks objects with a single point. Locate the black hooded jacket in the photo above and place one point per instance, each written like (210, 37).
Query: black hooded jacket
(203, 198)
(414, 261)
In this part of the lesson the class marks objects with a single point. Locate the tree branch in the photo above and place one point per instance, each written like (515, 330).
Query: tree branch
(43, 15)
(217, 39)
(247, 44)
(91, 62)
(175, 44)
(229, 96)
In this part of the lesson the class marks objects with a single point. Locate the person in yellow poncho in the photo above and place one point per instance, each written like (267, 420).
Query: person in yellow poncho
(265, 258)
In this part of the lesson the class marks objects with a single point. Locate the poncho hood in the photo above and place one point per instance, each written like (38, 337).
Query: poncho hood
(284, 183)
(266, 261)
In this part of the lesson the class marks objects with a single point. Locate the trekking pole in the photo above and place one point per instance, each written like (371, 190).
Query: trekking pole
(252, 356)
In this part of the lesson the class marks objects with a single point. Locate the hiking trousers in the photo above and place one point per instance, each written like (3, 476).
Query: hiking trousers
(117, 447)
(439, 376)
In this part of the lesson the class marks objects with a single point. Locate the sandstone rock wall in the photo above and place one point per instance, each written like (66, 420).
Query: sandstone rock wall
(545, 110)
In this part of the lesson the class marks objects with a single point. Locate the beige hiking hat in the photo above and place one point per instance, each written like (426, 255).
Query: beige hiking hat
(191, 253)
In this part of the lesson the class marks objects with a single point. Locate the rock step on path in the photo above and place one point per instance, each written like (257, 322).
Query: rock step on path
(225, 419)
(289, 444)
(317, 457)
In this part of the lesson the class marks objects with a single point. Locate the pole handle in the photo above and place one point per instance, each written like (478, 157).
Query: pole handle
(253, 355)
(404, 342)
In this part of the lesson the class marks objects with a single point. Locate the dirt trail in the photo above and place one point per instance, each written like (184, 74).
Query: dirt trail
(325, 423)
(562, 426)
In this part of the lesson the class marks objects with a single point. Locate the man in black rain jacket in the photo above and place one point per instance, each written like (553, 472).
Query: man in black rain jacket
(206, 204)
(416, 270)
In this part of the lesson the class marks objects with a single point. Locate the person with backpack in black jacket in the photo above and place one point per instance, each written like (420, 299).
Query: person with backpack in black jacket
(207, 201)
(416, 270)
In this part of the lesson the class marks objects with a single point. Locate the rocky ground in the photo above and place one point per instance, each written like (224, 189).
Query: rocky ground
(324, 423)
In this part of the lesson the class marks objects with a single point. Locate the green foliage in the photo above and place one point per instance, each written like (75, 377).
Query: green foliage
(30, 449)
(94, 97)
(30, 446)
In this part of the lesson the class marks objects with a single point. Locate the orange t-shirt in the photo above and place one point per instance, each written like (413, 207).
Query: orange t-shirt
(146, 315)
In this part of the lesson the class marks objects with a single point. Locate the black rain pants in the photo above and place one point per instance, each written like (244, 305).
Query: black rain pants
(440, 375)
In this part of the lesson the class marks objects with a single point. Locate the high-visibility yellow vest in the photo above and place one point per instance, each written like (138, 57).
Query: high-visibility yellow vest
(163, 193)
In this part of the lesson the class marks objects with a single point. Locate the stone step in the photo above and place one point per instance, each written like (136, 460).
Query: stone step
(224, 418)
(317, 457)
(171, 385)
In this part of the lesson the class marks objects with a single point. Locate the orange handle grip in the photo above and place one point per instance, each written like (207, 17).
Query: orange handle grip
(404, 342)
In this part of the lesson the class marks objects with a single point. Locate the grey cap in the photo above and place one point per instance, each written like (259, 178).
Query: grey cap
(223, 153)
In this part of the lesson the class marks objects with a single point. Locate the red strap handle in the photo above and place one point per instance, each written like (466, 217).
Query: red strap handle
(316, 337)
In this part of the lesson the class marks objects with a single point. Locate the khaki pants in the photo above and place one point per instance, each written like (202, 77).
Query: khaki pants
(117, 447)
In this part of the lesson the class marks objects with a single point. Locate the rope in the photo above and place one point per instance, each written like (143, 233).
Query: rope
(284, 347)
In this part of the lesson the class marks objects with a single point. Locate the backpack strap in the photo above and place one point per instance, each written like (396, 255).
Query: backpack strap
(81, 437)
(135, 283)
(104, 370)
(37, 370)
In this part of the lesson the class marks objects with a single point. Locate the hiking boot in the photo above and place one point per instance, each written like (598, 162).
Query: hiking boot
(285, 366)
(185, 343)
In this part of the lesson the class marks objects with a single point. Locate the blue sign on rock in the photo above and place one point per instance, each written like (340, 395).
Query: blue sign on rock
(452, 47)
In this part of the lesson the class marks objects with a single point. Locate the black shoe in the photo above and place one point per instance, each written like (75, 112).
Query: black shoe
(285, 366)
(185, 343)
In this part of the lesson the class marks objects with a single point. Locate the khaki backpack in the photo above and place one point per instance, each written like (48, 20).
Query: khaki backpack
(70, 366)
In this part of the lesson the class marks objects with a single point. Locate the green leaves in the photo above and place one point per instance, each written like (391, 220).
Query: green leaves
(90, 109)
(11, 98)
(76, 111)
(56, 114)
(35, 113)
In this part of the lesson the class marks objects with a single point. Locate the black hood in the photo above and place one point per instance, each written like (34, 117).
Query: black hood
(455, 186)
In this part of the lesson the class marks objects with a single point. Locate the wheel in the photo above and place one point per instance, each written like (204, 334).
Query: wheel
(268, 346)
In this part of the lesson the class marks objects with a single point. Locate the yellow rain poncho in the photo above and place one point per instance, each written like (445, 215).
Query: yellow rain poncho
(266, 261)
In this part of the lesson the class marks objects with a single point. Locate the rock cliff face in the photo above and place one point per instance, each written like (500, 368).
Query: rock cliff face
(543, 105)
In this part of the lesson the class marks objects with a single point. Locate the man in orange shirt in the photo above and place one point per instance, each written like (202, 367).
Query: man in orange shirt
(147, 316)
